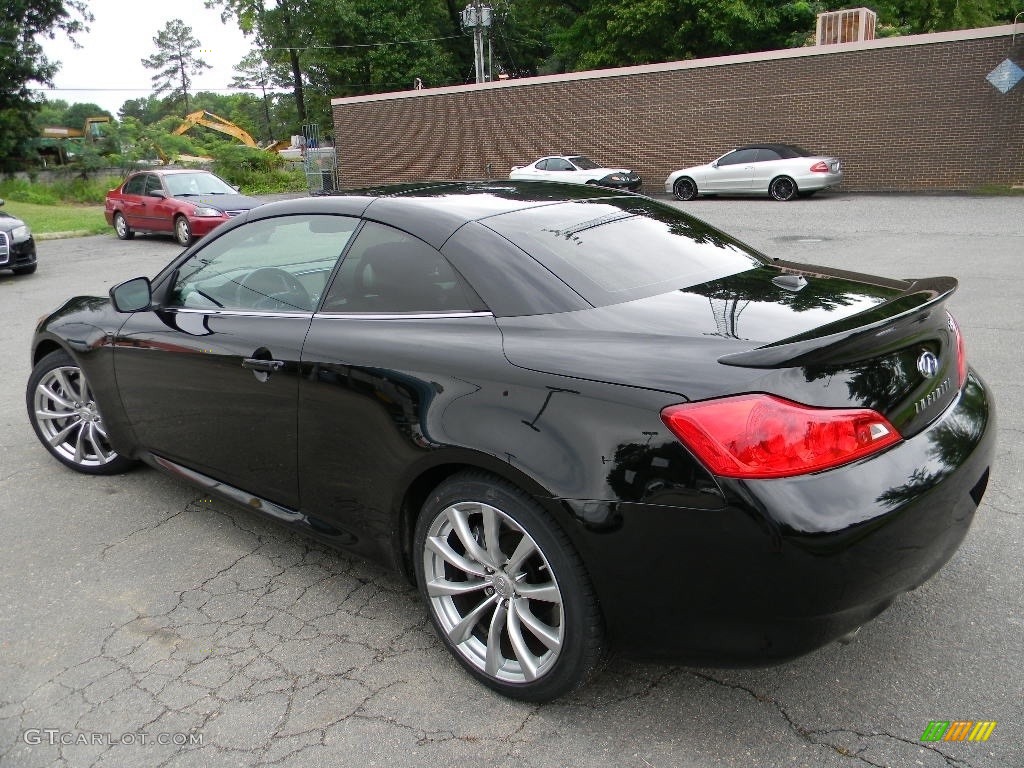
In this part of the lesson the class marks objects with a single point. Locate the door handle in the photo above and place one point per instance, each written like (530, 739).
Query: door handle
(265, 366)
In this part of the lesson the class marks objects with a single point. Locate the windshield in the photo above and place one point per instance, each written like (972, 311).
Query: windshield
(198, 183)
(584, 163)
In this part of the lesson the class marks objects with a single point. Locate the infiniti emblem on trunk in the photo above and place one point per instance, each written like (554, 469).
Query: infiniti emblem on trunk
(928, 364)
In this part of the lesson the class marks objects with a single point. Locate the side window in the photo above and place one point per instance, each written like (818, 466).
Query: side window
(558, 164)
(739, 156)
(277, 265)
(135, 185)
(764, 155)
(152, 184)
(542, 165)
(388, 272)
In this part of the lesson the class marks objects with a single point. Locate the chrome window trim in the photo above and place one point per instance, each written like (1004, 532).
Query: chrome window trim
(326, 315)
(235, 312)
(396, 315)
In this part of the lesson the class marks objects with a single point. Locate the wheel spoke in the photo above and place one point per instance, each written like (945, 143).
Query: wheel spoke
(527, 660)
(460, 522)
(439, 587)
(523, 551)
(80, 440)
(42, 413)
(66, 386)
(441, 547)
(96, 439)
(462, 631)
(545, 633)
(495, 659)
(492, 527)
(57, 397)
(548, 593)
(62, 436)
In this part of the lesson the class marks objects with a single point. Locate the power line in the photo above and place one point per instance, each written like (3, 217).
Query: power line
(357, 45)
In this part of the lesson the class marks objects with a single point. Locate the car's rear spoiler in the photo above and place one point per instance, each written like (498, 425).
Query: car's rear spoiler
(867, 334)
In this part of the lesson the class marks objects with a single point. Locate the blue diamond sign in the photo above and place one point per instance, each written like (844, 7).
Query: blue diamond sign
(1006, 75)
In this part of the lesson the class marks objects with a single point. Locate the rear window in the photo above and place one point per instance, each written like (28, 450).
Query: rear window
(620, 249)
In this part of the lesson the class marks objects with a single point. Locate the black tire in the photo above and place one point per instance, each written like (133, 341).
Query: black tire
(66, 420)
(471, 591)
(24, 270)
(182, 231)
(121, 228)
(782, 189)
(685, 188)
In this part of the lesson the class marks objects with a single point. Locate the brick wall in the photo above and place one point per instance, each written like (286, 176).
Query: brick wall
(904, 114)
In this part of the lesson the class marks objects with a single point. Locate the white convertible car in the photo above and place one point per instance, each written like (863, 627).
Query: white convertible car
(576, 169)
(781, 171)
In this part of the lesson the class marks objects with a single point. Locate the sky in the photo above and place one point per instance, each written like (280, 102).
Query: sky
(107, 69)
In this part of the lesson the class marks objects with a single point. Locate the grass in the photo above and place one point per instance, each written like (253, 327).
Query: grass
(998, 190)
(46, 219)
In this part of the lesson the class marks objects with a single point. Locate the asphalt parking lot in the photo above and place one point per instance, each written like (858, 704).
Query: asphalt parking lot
(133, 610)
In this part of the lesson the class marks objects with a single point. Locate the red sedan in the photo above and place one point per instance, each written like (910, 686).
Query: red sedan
(187, 203)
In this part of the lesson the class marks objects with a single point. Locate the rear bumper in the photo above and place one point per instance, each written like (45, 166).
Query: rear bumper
(813, 182)
(790, 565)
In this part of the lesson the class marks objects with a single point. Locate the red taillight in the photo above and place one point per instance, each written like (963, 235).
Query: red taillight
(820, 167)
(759, 435)
(961, 350)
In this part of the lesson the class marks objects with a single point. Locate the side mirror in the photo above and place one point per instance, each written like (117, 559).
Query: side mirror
(714, 164)
(135, 295)
(1, 202)
(158, 193)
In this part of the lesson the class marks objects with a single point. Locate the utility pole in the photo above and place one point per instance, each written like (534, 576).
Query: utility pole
(479, 18)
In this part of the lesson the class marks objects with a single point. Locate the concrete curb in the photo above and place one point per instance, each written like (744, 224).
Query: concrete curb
(64, 235)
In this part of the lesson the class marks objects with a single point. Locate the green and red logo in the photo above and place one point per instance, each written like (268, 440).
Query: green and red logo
(958, 730)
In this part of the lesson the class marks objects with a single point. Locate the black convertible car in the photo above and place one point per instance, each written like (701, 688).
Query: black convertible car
(578, 419)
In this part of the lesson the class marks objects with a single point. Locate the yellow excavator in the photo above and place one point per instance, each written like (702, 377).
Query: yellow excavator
(222, 124)
(217, 123)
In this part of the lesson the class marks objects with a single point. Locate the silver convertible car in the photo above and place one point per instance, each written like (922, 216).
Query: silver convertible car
(782, 171)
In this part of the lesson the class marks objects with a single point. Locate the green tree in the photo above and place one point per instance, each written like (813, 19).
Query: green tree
(610, 33)
(175, 60)
(283, 30)
(380, 45)
(22, 62)
(911, 17)
(77, 112)
(255, 73)
(149, 109)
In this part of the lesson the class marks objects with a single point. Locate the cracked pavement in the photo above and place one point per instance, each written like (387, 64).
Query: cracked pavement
(136, 605)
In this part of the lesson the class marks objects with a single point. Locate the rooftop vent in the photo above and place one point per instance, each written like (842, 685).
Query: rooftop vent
(849, 26)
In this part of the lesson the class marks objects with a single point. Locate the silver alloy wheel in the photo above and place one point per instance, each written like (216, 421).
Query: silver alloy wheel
(68, 419)
(120, 226)
(493, 592)
(182, 231)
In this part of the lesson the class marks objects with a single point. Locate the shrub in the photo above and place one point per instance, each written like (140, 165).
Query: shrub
(255, 171)
(24, 191)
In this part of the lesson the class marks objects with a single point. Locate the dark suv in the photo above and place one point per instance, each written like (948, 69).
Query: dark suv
(17, 248)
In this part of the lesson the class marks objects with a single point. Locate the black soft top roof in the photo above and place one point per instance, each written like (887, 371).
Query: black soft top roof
(433, 211)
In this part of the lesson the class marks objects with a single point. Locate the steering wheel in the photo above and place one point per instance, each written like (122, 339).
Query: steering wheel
(273, 288)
